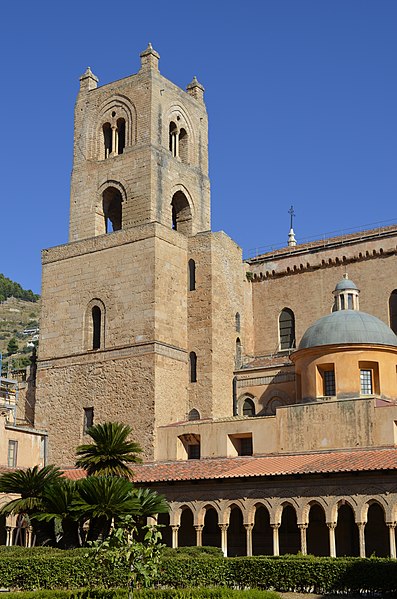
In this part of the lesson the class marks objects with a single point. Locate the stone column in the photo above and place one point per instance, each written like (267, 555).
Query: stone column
(9, 530)
(361, 532)
(224, 528)
(332, 543)
(199, 534)
(248, 528)
(175, 528)
(276, 547)
(114, 139)
(177, 144)
(302, 528)
(392, 539)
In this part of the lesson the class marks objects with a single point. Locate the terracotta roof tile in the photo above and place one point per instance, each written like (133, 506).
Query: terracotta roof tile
(270, 465)
(357, 460)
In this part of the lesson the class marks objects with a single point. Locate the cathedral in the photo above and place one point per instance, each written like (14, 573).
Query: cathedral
(263, 392)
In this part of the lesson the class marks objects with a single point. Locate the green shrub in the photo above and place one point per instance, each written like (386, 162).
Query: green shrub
(45, 568)
(192, 551)
(211, 593)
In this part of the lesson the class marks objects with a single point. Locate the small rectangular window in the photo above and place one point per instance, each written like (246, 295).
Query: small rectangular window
(366, 382)
(329, 382)
(88, 418)
(12, 454)
(245, 446)
(193, 452)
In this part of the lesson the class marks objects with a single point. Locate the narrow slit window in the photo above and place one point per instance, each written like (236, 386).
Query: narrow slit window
(96, 327)
(192, 275)
(88, 419)
(237, 319)
(193, 367)
(12, 454)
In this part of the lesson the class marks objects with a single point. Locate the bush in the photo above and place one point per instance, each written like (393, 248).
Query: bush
(45, 568)
(193, 551)
(145, 594)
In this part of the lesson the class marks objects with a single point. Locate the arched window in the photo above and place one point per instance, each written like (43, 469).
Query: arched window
(173, 139)
(193, 414)
(112, 209)
(248, 407)
(287, 329)
(193, 367)
(238, 353)
(120, 135)
(96, 327)
(181, 213)
(183, 147)
(114, 135)
(393, 310)
(237, 320)
(107, 139)
(192, 275)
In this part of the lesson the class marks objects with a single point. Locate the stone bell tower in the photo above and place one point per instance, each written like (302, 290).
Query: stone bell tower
(128, 309)
(140, 154)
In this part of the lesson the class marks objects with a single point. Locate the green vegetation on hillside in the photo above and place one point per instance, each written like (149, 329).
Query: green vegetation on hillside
(9, 288)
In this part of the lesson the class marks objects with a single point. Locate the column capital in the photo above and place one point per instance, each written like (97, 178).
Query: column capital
(249, 526)
(199, 526)
(174, 526)
(331, 525)
(391, 524)
(223, 526)
(303, 526)
(276, 525)
(361, 524)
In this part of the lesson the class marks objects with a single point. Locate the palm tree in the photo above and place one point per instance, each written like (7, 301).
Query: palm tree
(56, 505)
(111, 453)
(102, 499)
(30, 484)
(151, 503)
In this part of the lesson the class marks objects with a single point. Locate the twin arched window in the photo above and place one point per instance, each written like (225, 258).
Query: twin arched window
(178, 142)
(286, 325)
(114, 137)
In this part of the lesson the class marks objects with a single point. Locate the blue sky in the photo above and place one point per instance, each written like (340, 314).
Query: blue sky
(301, 96)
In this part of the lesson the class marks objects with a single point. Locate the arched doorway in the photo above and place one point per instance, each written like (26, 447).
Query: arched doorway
(262, 533)
(211, 530)
(317, 536)
(346, 533)
(236, 534)
(376, 532)
(166, 532)
(289, 536)
(187, 532)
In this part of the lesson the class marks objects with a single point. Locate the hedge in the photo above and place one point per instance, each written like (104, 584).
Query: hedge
(285, 573)
(219, 593)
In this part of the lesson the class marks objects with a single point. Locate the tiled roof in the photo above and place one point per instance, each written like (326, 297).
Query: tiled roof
(269, 465)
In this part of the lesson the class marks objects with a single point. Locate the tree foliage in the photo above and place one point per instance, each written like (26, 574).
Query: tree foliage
(9, 288)
(111, 453)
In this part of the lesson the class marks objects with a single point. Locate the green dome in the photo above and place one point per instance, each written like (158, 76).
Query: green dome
(348, 326)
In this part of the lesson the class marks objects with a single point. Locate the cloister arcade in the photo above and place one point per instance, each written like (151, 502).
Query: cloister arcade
(331, 526)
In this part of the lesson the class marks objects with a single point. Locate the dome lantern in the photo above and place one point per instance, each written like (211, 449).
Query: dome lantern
(346, 295)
